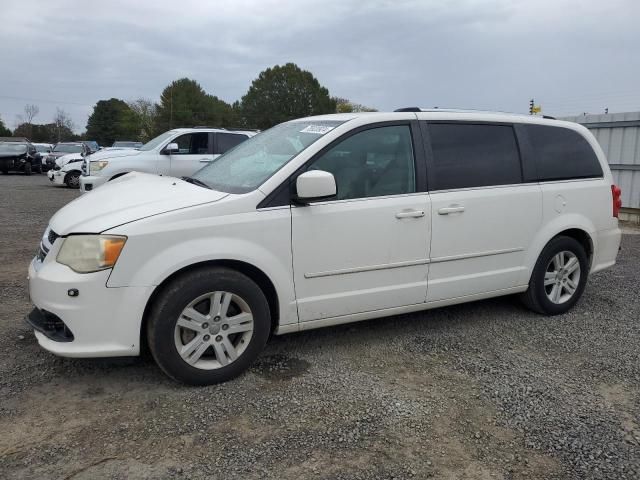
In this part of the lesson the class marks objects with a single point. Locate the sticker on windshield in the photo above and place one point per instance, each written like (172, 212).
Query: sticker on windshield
(317, 129)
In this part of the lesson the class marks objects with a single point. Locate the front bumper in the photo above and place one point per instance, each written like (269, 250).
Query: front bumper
(56, 176)
(98, 322)
(91, 182)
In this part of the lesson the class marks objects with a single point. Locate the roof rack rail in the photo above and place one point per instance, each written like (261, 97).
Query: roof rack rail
(458, 110)
(206, 126)
(549, 117)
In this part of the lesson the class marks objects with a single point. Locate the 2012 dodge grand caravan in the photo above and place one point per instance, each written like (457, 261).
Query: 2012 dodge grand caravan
(322, 221)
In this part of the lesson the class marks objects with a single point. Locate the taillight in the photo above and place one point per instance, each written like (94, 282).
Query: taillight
(617, 201)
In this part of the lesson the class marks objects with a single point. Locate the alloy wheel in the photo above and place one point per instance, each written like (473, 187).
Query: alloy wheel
(213, 330)
(562, 277)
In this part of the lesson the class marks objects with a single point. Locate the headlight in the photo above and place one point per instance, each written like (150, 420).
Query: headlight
(97, 165)
(90, 253)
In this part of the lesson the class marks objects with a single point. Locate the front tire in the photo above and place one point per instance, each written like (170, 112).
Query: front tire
(208, 326)
(559, 277)
(72, 180)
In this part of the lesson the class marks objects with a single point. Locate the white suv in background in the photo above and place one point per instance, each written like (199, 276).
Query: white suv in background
(178, 153)
(322, 221)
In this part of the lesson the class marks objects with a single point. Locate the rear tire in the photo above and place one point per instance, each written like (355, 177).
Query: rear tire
(558, 278)
(184, 315)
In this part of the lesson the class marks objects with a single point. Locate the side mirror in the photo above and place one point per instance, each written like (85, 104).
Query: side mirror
(171, 147)
(315, 185)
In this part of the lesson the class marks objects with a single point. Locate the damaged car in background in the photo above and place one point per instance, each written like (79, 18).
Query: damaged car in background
(19, 155)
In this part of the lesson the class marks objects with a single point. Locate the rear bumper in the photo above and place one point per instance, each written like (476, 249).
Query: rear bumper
(606, 249)
(89, 182)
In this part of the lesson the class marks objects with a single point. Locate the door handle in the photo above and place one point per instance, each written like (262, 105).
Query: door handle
(410, 214)
(203, 160)
(451, 209)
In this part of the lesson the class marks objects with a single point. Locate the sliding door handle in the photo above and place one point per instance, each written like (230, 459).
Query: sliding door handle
(410, 214)
(451, 209)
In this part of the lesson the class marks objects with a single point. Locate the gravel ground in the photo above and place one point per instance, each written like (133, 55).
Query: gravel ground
(484, 390)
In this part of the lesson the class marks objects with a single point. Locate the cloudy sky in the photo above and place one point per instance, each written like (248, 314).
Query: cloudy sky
(570, 55)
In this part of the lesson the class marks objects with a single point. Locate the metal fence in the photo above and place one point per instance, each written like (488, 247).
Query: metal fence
(619, 137)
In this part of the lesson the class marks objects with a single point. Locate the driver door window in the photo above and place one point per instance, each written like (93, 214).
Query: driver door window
(192, 144)
(372, 163)
(192, 155)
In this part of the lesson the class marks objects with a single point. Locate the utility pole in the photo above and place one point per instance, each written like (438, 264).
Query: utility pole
(171, 107)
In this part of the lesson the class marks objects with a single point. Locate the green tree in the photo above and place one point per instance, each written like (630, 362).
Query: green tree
(184, 103)
(4, 131)
(282, 93)
(346, 106)
(48, 133)
(112, 120)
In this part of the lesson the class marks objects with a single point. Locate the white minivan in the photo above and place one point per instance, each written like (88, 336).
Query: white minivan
(322, 221)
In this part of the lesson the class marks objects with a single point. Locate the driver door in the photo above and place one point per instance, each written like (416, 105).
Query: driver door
(195, 150)
(366, 249)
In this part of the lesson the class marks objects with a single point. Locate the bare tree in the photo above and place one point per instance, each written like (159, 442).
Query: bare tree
(145, 111)
(30, 111)
(63, 122)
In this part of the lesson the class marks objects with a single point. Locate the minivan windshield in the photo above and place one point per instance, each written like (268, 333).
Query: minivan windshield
(248, 165)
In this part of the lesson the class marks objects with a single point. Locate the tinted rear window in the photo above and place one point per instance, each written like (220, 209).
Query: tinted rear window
(473, 155)
(226, 141)
(561, 153)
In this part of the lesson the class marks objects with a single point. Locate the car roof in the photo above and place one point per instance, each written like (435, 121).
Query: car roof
(446, 114)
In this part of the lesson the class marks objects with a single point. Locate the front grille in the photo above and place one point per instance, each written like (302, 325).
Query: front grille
(84, 168)
(46, 244)
(52, 237)
(49, 325)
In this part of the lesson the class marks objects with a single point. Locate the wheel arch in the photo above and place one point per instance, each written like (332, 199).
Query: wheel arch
(66, 174)
(118, 175)
(254, 273)
(580, 231)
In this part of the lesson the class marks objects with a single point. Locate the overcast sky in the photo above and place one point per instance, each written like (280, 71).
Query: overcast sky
(570, 55)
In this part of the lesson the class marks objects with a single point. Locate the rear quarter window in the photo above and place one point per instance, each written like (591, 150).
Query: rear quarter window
(226, 141)
(561, 154)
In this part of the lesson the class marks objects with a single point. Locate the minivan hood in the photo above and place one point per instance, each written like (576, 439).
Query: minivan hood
(126, 199)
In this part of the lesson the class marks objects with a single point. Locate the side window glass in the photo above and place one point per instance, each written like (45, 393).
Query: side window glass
(473, 155)
(562, 153)
(371, 163)
(226, 141)
(192, 144)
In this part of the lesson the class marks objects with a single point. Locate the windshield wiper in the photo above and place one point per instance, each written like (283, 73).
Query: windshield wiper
(195, 181)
